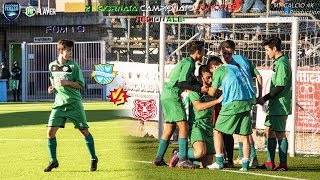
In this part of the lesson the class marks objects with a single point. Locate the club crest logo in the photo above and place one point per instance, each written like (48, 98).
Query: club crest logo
(103, 73)
(11, 10)
(144, 109)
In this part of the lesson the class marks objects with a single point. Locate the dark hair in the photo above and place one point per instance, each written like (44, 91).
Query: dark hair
(203, 69)
(272, 41)
(64, 43)
(196, 46)
(216, 60)
(227, 44)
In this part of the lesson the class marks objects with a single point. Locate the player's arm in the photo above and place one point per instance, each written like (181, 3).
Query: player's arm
(63, 82)
(255, 73)
(199, 106)
(217, 78)
(281, 79)
(182, 83)
(51, 88)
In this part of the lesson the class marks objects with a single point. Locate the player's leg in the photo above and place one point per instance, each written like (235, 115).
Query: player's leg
(240, 152)
(244, 128)
(172, 111)
(228, 148)
(196, 152)
(253, 155)
(56, 120)
(183, 145)
(88, 138)
(163, 144)
(52, 148)
(208, 158)
(280, 125)
(76, 114)
(271, 143)
(218, 145)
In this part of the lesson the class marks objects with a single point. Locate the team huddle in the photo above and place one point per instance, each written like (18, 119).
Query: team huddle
(227, 82)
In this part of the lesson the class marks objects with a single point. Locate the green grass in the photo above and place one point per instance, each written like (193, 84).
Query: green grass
(23, 149)
(145, 149)
(23, 144)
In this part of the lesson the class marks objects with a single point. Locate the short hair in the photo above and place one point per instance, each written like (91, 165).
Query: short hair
(272, 41)
(203, 69)
(64, 43)
(227, 44)
(215, 59)
(196, 46)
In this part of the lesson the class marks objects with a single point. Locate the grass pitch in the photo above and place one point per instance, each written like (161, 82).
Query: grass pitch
(23, 144)
(146, 148)
(24, 154)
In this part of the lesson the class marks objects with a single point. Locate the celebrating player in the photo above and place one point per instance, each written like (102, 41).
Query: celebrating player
(180, 78)
(234, 116)
(66, 81)
(279, 106)
(201, 132)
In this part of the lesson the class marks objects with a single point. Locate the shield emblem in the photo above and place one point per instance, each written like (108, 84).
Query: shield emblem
(11, 10)
(103, 73)
(144, 109)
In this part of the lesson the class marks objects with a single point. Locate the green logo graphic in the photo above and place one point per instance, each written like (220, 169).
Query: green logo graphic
(30, 11)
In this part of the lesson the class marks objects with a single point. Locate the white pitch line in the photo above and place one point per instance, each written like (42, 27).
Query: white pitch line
(267, 175)
(241, 172)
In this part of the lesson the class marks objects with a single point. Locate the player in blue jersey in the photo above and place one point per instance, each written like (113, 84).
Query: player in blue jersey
(226, 49)
(234, 117)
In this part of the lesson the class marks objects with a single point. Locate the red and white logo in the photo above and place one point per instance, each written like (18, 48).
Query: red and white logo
(144, 109)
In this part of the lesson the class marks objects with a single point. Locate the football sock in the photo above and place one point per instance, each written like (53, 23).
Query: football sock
(240, 150)
(191, 153)
(191, 157)
(52, 148)
(219, 160)
(183, 147)
(163, 146)
(283, 150)
(271, 146)
(90, 146)
(252, 151)
(245, 164)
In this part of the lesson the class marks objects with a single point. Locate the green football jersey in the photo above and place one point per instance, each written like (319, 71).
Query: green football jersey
(202, 119)
(282, 76)
(183, 71)
(65, 95)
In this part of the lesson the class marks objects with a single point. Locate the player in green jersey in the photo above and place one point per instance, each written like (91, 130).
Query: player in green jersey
(180, 78)
(279, 106)
(200, 121)
(66, 81)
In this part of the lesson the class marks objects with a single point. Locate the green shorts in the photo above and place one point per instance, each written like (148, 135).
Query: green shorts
(172, 106)
(234, 124)
(276, 122)
(199, 134)
(74, 112)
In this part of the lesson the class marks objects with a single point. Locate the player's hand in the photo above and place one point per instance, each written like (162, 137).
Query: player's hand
(260, 101)
(204, 89)
(63, 82)
(50, 89)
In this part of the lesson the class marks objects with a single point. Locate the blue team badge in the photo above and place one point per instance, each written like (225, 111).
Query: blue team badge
(11, 10)
(103, 73)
